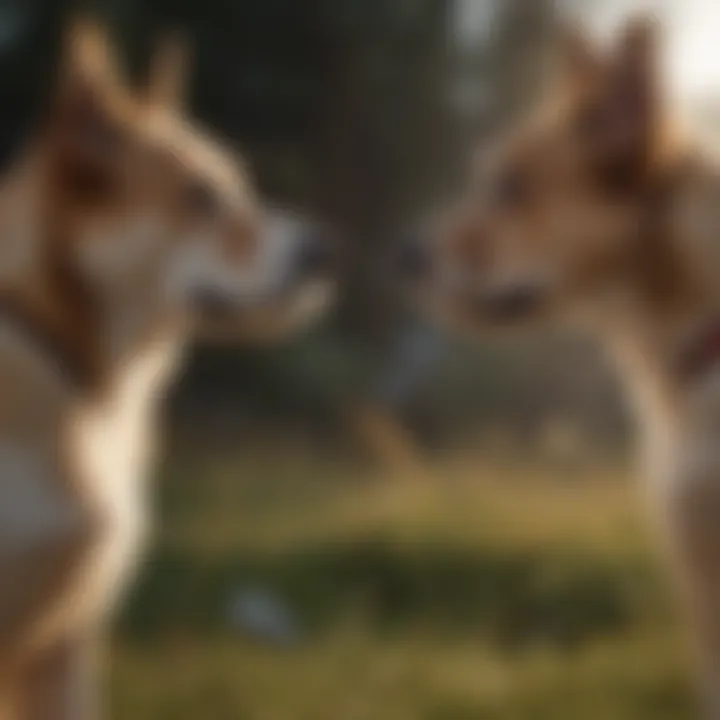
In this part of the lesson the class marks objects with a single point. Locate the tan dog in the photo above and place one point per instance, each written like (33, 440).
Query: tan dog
(125, 229)
(597, 208)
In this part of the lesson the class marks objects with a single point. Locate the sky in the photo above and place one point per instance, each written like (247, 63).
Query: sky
(693, 38)
(693, 35)
(694, 29)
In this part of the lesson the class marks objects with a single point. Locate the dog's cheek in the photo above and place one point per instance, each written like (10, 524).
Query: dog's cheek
(117, 249)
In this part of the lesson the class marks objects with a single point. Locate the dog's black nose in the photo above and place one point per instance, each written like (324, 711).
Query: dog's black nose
(511, 303)
(414, 258)
(316, 256)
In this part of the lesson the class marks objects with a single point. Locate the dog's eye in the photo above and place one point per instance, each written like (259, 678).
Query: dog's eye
(511, 189)
(200, 200)
(88, 184)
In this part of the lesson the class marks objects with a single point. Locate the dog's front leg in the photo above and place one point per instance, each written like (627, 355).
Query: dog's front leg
(691, 511)
(61, 683)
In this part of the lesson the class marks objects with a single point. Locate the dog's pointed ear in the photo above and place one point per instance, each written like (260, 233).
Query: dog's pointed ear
(634, 102)
(89, 81)
(578, 59)
(88, 67)
(84, 116)
(169, 70)
(639, 45)
(626, 119)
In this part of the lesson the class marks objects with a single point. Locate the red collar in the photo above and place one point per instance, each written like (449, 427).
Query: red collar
(701, 355)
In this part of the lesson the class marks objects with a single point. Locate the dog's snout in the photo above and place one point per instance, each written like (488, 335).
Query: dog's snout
(316, 257)
(413, 259)
(511, 303)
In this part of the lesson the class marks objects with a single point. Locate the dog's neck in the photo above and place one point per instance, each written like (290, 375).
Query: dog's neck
(645, 350)
(99, 336)
(667, 307)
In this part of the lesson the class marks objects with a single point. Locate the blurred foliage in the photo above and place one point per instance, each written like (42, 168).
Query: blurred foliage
(512, 599)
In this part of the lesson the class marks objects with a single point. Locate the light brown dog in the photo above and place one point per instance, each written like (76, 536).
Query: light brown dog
(125, 230)
(599, 209)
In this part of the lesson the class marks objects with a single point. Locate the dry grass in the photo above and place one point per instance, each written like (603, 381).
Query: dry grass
(502, 590)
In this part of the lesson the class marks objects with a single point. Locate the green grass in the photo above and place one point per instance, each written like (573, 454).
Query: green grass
(499, 591)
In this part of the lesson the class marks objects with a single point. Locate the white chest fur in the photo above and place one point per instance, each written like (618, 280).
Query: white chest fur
(112, 444)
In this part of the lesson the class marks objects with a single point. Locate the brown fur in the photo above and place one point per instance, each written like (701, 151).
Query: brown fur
(601, 209)
(102, 224)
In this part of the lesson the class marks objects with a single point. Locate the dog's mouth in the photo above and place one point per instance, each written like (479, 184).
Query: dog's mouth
(485, 310)
(512, 305)
(222, 316)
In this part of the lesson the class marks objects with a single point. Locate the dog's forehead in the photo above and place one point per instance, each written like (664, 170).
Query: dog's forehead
(515, 151)
(547, 136)
(195, 150)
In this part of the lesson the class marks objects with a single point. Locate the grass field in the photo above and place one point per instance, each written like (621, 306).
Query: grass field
(501, 590)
